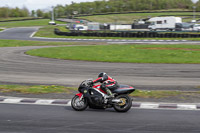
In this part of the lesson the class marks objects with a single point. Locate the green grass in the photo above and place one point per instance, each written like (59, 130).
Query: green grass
(36, 89)
(125, 53)
(129, 18)
(47, 89)
(27, 23)
(159, 94)
(19, 43)
(48, 31)
(156, 94)
(15, 18)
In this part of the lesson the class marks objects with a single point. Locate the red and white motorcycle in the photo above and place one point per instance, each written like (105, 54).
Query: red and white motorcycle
(95, 97)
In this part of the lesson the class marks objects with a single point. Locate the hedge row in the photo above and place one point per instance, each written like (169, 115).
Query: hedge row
(20, 19)
(128, 34)
(110, 13)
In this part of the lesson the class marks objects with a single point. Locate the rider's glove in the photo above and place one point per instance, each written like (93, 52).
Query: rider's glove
(91, 83)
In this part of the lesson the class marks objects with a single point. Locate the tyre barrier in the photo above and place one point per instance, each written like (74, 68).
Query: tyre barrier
(128, 34)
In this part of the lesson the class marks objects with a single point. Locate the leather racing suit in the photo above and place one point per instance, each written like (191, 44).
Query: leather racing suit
(108, 83)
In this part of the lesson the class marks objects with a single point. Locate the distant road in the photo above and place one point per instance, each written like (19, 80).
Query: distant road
(27, 32)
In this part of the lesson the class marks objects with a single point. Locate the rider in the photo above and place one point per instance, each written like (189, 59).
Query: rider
(108, 83)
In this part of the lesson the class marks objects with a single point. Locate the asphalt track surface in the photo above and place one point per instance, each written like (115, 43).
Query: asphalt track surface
(26, 33)
(16, 67)
(58, 119)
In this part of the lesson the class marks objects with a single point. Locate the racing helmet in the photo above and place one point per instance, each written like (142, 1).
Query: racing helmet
(102, 74)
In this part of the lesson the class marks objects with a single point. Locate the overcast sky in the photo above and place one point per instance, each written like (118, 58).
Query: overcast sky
(37, 4)
(42, 4)
(194, 1)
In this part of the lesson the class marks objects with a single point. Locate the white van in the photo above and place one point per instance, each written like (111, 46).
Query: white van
(164, 23)
(196, 27)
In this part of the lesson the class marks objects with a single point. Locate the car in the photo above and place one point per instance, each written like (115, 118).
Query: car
(52, 23)
(80, 27)
(196, 27)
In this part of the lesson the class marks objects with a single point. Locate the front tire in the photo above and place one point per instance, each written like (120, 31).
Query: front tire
(77, 104)
(125, 105)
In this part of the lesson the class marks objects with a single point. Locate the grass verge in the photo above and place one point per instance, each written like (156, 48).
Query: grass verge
(48, 89)
(16, 18)
(155, 94)
(27, 23)
(19, 43)
(36, 89)
(130, 17)
(161, 94)
(187, 54)
(48, 31)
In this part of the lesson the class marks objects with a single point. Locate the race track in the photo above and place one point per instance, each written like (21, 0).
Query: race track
(16, 67)
(19, 68)
(58, 119)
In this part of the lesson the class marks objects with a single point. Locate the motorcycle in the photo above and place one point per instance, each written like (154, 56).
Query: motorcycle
(96, 98)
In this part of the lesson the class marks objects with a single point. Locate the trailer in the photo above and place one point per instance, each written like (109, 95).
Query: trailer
(164, 23)
(120, 27)
(93, 26)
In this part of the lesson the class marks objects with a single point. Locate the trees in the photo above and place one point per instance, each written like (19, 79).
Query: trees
(24, 12)
(39, 13)
(59, 11)
(104, 6)
(6, 12)
(33, 13)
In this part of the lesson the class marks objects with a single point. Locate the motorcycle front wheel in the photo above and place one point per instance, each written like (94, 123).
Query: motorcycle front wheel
(79, 104)
(124, 105)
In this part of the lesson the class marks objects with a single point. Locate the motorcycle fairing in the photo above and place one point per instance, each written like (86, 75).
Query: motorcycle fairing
(124, 89)
(79, 95)
(99, 88)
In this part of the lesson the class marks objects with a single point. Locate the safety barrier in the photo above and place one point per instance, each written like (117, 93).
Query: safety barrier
(145, 34)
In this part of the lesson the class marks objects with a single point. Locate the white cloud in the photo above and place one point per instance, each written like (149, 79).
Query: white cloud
(38, 4)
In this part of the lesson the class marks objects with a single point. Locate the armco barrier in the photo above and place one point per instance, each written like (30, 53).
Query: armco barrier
(128, 34)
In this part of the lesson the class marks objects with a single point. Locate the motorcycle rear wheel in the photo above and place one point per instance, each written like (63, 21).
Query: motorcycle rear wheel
(125, 105)
(77, 104)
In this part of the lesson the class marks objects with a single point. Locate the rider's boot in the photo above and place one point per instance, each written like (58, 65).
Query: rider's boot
(109, 93)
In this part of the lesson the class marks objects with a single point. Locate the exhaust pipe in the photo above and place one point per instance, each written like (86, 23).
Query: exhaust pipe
(116, 101)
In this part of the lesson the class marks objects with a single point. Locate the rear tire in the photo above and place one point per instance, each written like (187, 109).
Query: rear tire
(77, 104)
(125, 105)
